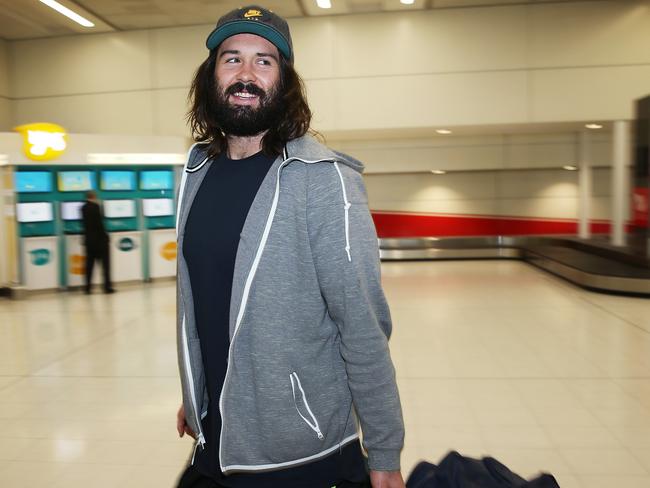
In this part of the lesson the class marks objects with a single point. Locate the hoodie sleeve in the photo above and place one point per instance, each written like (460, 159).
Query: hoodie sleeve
(346, 255)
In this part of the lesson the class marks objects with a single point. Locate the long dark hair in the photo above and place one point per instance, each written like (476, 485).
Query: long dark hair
(294, 121)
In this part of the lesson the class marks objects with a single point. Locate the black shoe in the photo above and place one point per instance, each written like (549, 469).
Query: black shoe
(87, 292)
(110, 290)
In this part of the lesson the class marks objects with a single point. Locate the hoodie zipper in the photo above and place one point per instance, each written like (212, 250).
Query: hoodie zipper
(314, 426)
(200, 439)
(249, 281)
(253, 270)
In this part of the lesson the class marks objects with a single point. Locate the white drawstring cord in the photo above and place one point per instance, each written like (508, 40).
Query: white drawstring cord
(346, 206)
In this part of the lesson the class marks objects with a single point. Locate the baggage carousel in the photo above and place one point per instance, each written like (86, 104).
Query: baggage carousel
(591, 264)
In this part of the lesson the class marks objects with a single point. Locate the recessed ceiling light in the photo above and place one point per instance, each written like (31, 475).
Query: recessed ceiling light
(324, 3)
(570, 167)
(407, 2)
(593, 126)
(438, 171)
(443, 131)
(68, 13)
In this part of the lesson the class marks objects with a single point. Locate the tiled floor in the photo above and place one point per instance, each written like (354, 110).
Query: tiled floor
(493, 357)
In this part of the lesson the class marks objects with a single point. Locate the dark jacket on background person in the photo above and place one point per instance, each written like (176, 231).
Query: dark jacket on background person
(309, 324)
(95, 236)
(456, 471)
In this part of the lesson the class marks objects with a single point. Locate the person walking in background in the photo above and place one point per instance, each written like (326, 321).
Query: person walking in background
(282, 322)
(96, 242)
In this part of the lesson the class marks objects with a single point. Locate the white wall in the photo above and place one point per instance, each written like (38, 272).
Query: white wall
(475, 152)
(514, 175)
(471, 66)
(5, 102)
(540, 193)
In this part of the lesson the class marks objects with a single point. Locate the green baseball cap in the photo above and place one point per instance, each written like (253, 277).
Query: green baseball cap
(253, 20)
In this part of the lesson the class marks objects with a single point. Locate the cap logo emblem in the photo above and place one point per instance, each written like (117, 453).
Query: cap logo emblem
(252, 13)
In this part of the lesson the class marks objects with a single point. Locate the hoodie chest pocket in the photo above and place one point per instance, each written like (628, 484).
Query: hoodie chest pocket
(302, 405)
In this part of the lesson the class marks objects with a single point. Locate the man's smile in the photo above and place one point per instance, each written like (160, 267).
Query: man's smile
(243, 97)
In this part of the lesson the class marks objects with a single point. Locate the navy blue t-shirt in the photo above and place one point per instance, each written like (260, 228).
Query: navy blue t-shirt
(212, 233)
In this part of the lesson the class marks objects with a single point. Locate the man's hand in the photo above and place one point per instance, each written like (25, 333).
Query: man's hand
(386, 479)
(181, 425)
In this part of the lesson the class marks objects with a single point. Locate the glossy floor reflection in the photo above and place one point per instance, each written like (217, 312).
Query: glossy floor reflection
(493, 357)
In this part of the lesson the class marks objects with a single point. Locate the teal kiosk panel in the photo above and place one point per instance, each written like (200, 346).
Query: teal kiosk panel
(119, 192)
(37, 229)
(35, 212)
(73, 183)
(157, 189)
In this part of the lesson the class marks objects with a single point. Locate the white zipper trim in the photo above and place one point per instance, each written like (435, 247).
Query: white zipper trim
(346, 206)
(262, 467)
(181, 189)
(200, 439)
(315, 427)
(249, 281)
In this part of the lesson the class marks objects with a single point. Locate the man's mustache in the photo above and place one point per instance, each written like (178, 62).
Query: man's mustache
(251, 88)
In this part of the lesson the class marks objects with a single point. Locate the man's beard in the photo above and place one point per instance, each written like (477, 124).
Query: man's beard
(246, 120)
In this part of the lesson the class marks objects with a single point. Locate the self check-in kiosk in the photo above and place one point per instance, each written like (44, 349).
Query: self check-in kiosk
(159, 208)
(136, 190)
(35, 216)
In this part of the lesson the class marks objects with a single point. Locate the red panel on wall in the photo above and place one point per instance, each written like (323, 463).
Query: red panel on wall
(393, 224)
(640, 207)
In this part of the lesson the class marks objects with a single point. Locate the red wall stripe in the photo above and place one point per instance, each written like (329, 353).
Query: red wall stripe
(399, 224)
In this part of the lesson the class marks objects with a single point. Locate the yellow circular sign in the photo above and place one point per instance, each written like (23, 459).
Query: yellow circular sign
(168, 250)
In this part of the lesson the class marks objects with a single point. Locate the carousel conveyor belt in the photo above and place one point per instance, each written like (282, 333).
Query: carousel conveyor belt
(592, 265)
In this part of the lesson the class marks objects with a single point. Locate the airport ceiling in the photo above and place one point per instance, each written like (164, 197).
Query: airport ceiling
(31, 19)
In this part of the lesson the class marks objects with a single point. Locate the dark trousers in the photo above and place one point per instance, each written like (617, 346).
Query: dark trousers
(191, 478)
(103, 255)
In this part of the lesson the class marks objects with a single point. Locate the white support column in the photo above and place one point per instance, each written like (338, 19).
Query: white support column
(584, 185)
(620, 180)
(4, 278)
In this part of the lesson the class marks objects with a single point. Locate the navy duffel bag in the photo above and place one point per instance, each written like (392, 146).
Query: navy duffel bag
(456, 471)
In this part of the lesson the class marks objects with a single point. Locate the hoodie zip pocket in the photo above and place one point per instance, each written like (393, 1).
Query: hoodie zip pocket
(313, 425)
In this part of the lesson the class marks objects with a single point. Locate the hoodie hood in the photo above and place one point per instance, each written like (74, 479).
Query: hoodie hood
(308, 148)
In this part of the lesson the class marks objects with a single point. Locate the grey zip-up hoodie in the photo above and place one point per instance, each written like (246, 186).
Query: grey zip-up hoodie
(309, 324)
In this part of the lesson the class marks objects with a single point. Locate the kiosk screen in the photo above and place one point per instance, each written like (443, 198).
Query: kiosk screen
(156, 180)
(75, 180)
(117, 180)
(157, 207)
(71, 210)
(33, 181)
(116, 209)
(34, 212)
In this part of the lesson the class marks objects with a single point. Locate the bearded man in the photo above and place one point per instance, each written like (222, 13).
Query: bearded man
(282, 322)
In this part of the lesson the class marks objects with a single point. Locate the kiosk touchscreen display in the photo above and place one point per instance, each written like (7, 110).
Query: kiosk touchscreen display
(75, 180)
(33, 181)
(117, 180)
(71, 210)
(116, 209)
(156, 180)
(157, 207)
(34, 212)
